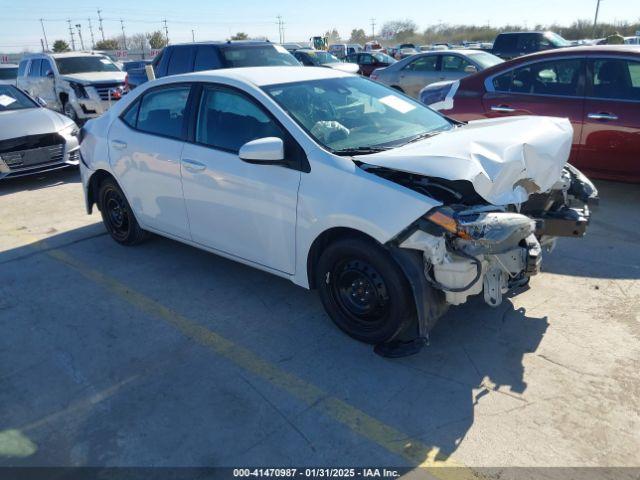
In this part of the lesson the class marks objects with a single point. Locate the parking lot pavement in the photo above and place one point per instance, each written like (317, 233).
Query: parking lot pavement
(166, 355)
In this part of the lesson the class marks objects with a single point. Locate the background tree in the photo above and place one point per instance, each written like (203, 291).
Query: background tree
(138, 42)
(60, 46)
(333, 36)
(108, 44)
(400, 31)
(240, 36)
(157, 40)
(358, 35)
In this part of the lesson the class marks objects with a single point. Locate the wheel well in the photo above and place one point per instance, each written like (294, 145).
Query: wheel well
(94, 185)
(63, 98)
(322, 242)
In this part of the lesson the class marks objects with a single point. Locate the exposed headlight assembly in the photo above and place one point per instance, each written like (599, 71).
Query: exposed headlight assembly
(491, 232)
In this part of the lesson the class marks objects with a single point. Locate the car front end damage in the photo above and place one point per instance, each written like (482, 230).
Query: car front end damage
(474, 245)
(469, 247)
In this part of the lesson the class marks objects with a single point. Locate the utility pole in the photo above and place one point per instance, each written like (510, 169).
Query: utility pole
(124, 37)
(595, 21)
(280, 29)
(373, 28)
(166, 31)
(79, 27)
(93, 40)
(42, 44)
(100, 21)
(44, 34)
(73, 41)
(193, 36)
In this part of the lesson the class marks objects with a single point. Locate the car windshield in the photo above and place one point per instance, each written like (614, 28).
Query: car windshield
(485, 60)
(13, 99)
(258, 56)
(321, 58)
(95, 63)
(8, 73)
(556, 40)
(353, 113)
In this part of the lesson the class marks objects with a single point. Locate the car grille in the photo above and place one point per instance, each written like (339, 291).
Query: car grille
(103, 89)
(19, 159)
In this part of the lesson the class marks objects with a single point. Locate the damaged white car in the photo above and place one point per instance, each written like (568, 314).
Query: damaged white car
(392, 211)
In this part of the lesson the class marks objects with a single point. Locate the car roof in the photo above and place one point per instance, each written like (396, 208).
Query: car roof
(585, 49)
(65, 54)
(263, 76)
(233, 43)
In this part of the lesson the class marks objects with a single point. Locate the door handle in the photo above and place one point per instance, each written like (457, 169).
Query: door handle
(192, 165)
(502, 109)
(602, 116)
(118, 144)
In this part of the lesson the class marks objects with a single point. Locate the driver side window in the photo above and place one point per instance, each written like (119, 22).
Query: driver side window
(423, 64)
(228, 119)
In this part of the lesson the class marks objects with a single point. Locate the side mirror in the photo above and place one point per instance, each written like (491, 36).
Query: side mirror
(49, 74)
(470, 69)
(41, 101)
(267, 151)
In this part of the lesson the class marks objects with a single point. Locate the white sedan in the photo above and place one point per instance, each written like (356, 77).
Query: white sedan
(390, 210)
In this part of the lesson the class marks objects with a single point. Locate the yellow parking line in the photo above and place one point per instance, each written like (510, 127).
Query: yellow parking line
(391, 439)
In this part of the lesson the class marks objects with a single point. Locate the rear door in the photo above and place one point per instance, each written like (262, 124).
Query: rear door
(551, 87)
(610, 137)
(145, 145)
(418, 74)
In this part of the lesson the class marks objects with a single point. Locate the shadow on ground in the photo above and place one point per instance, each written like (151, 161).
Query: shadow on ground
(91, 380)
(40, 181)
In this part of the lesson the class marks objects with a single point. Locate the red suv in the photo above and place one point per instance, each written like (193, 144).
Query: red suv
(597, 88)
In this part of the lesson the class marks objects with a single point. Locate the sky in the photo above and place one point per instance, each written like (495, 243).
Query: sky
(20, 26)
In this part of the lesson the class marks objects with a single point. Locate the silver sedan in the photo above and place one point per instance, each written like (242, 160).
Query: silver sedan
(412, 74)
(33, 139)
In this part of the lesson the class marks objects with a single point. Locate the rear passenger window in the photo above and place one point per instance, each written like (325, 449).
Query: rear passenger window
(34, 70)
(423, 64)
(555, 77)
(162, 111)
(181, 61)
(227, 120)
(131, 114)
(616, 79)
(206, 59)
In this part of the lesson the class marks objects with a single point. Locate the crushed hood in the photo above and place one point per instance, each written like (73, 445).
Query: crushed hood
(95, 77)
(505, 159)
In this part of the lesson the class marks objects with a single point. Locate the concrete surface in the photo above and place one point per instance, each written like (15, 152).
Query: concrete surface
(165, 355)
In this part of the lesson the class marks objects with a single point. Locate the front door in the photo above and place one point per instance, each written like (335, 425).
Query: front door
(242, 209)
(551, 88)
(145, 145)
(610, 138)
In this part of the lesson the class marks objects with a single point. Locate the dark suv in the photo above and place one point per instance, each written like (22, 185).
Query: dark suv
(195, 57)
(515, 44)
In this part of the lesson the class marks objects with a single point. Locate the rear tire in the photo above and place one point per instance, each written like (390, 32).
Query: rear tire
(364, 291)
(118, 216)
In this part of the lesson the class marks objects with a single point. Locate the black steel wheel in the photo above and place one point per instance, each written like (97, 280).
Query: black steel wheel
(364, 291)
(117, 215)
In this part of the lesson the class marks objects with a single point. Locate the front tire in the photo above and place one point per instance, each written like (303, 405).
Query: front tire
(117, 215)
(364, 291)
